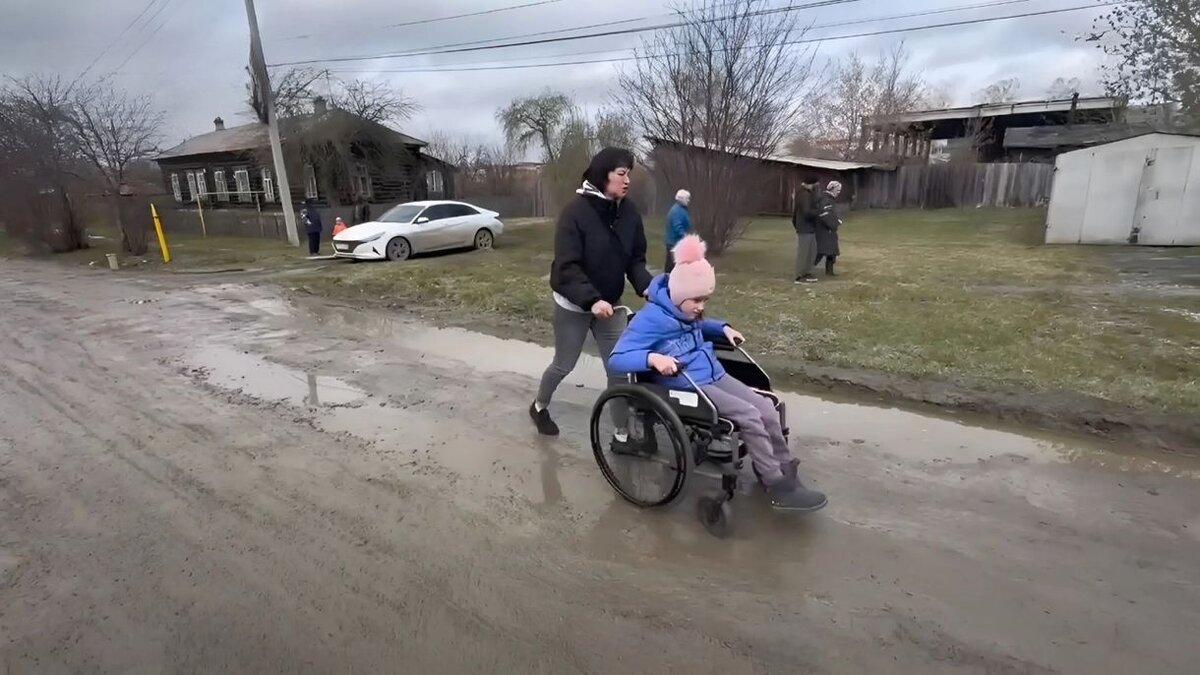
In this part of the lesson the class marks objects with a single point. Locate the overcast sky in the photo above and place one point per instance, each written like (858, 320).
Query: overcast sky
(192, 54)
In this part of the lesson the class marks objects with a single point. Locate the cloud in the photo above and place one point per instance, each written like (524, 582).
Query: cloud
(192, 58)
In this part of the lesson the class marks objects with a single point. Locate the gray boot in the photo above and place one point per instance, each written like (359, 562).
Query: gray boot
(791, 495)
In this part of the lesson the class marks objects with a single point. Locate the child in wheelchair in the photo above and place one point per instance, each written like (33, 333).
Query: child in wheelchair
(671, 333)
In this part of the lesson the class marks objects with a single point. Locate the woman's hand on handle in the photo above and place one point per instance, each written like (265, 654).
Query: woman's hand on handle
(665, 365)
(601, 309)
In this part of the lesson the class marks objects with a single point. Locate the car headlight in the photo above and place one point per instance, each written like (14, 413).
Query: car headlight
(370, 239)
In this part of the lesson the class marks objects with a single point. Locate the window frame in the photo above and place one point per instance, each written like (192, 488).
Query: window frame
(311, 189)
(221, 185)
(268, 183)
(247, 194)
(176, 188)
(191, 185)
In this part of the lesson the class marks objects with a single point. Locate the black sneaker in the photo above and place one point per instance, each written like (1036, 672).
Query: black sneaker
(789, 495)
(541, 420)
(634, 447)
(808, 279)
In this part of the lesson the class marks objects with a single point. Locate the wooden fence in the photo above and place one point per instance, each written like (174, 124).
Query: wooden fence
(938, 186)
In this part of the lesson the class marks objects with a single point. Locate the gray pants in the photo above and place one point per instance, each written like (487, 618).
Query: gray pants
(760, 427)
(806, 254)
(570, 332)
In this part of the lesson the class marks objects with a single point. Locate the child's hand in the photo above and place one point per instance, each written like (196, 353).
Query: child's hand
(734, 337)
(665, 365)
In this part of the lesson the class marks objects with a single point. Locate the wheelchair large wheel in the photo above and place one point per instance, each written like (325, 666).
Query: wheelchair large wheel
(670, 448)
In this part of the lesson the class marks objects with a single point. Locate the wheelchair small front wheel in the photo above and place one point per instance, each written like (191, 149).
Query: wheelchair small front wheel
(714, 514)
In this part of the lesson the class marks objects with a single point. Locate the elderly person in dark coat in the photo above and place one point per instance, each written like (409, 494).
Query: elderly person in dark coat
(828, 223)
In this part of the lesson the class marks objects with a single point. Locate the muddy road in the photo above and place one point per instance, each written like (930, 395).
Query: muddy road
(199, 476)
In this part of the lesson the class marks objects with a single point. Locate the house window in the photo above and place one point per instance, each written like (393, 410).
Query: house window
(175, 190)
(310, 182)
(433, 182)
(268, 186)
(201, 187)
(241, 178)
(361, 181)
(220, 186)
(191, 181)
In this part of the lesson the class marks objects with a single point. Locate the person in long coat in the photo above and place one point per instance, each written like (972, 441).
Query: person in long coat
(804, 220)
(828, 223)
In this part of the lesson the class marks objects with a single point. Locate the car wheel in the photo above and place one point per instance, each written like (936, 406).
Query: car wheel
(398, 248)
(484, 240)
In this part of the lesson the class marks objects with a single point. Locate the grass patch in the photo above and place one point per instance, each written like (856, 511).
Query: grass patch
(188, 252)
(955, 293)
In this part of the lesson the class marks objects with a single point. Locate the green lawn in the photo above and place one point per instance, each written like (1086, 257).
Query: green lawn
(956, 293)
(965, 294)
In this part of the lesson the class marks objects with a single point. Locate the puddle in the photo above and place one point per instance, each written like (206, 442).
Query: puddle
(254, 376)
(907, 436)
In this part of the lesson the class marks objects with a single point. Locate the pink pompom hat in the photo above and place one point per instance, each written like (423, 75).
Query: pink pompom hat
(693, 276)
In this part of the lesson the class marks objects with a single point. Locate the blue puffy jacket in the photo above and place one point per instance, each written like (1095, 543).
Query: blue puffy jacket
(660, 328)
(679, 223)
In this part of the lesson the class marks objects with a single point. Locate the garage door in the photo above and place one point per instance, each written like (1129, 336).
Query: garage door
(1159, 213)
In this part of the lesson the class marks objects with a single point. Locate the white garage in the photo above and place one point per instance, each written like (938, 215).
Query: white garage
(1143, 190)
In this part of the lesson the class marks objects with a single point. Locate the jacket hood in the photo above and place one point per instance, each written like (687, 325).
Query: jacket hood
(660, 295)
(589, 190)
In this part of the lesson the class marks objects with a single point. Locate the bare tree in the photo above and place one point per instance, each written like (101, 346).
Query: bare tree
(374, 101)
(938, 96)
(1154, 52)
(40, 159)
(1001, 91)
(536, 119)
(112, 130)
(729, 81)
(295, 89)
(1063, 87)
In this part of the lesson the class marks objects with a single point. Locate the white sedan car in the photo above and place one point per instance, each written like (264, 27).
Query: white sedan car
(419, 227)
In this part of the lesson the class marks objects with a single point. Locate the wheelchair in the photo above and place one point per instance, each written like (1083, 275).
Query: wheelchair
(696, 432)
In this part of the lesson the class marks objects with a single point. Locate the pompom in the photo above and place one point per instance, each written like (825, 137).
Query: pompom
(690, 249)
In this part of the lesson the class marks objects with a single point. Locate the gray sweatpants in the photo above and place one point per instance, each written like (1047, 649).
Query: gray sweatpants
(806, 254)
(760, 427)
(570, 332)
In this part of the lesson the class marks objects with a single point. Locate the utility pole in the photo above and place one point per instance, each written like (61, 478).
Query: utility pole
(262, 83)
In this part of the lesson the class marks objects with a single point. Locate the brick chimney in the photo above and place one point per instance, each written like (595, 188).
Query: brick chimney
(319, 106)
(219, 124)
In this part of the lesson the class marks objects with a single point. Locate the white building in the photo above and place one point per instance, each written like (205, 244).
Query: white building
(1142, 190)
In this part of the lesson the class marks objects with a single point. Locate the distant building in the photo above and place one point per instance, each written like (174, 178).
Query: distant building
(981, 132)
(332, 156)
(779, 175)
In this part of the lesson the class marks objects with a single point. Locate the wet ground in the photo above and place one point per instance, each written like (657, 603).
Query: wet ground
(197, 476)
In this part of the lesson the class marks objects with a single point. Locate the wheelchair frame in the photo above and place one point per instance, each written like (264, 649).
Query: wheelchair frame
(695, 426)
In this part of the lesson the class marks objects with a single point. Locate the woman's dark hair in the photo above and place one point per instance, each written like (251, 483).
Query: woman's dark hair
(605, 162)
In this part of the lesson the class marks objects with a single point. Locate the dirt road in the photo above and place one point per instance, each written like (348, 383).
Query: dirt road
(202, 477)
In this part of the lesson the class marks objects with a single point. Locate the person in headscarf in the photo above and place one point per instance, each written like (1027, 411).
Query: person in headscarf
(828, 223)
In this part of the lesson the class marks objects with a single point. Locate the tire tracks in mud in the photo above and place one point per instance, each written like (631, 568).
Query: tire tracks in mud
(268, 544)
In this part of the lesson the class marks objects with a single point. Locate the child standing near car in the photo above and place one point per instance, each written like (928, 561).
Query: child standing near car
(338, 226)
(671, 333)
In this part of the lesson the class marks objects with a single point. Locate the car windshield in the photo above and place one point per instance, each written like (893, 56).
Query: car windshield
(405, 213)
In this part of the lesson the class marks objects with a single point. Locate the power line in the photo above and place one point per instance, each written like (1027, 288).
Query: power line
(889, 31)
(836, 24)
(421, 22)
(452, 49)
(151, 35)
(113, 42)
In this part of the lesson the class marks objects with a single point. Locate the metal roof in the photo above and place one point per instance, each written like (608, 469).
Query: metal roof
(810, 162)
(999, 110)
(254, 135)
(1078, 135)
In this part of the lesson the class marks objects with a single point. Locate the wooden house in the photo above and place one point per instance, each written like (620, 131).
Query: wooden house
(332, 157)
